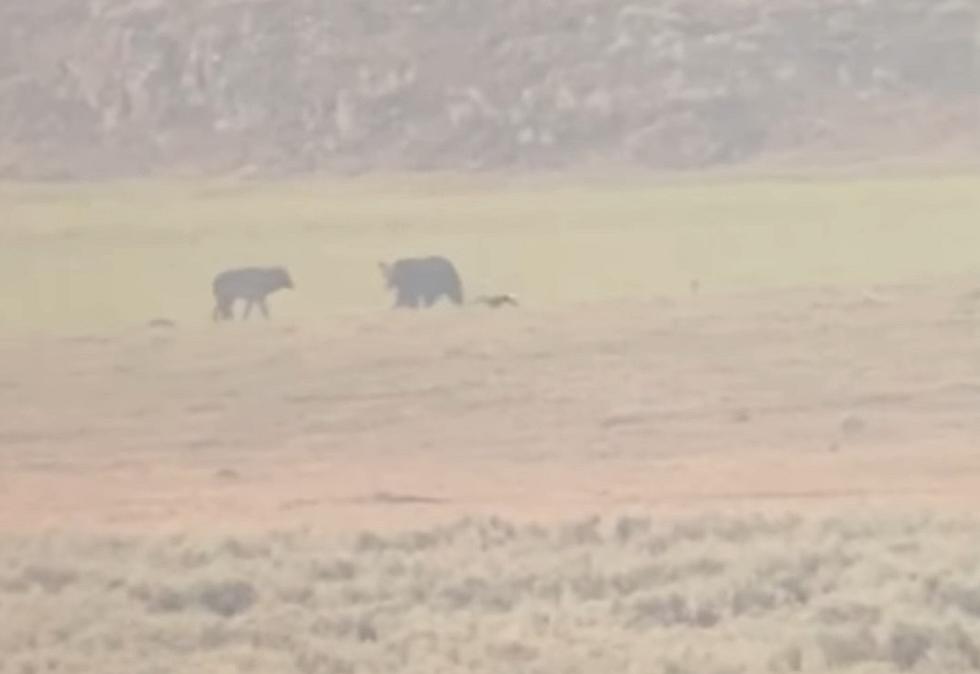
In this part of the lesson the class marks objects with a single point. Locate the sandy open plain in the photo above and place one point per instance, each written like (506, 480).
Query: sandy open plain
(783, 463)
(807, 395)
(831, 353)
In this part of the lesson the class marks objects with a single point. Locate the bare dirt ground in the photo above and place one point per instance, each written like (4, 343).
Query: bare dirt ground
(808, 396)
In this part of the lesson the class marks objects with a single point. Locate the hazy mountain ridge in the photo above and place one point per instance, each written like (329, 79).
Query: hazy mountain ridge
(109, 87)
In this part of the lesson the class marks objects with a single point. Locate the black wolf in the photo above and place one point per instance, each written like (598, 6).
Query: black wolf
(251, 284)
(422, 281)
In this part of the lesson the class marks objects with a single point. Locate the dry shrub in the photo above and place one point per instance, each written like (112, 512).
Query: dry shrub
(159, 599)
(710, 594)
(226, 598)
(849, 612)
(787, 659)
(51, 579)
(845, 648)
(908, 644)
(964, 597)
(333, 570)
(959, 646)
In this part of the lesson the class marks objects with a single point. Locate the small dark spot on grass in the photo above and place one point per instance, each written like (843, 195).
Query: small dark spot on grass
(229, 474)
(227, 598)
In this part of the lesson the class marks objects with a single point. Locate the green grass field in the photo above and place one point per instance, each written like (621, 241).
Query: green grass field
(109, 254)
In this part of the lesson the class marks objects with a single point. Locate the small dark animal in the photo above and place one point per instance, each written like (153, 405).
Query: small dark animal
(497, 301)
(422, 281)
(252, 284)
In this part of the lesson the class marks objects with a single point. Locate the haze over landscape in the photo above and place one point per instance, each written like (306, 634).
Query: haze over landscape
(115, 88)
(708, 403)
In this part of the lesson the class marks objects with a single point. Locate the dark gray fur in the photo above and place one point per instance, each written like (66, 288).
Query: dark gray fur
(252, 284)
(422, 281)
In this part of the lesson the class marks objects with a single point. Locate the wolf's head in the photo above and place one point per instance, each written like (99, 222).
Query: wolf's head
(280, 277)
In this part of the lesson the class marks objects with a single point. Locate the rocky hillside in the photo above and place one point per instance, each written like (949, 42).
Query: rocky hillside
(106, 87)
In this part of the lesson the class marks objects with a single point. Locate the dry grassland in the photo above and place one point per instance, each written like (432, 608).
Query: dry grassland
(117, 254)
(349, 489)
(707, 595)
